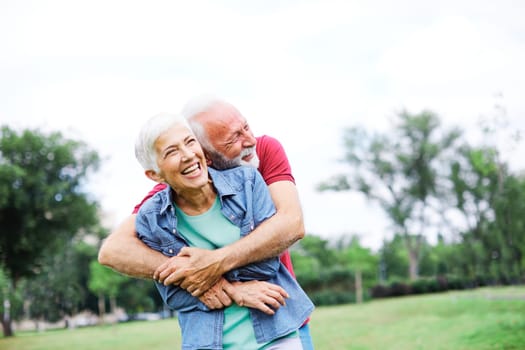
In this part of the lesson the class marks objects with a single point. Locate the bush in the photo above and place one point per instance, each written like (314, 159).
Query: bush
(437, 284)
(455, 283)
(328, 297)
(399, 289)
(380, 291)
(420, 286)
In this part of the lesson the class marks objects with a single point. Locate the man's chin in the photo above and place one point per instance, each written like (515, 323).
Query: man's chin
(254, 162)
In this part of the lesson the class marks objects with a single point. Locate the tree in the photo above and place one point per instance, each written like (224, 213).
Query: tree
(489, 198)
(311, 257)
(317, 247)
(401, 171)
(360, 260)
(138, 295)
(394, 259)
(61, 288)
(55, 292)
(510, 224)
(42, 203)
(104, 281)
(476, 178)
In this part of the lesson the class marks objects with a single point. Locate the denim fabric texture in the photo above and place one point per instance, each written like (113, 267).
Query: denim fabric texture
(246, 202)
(306, 337)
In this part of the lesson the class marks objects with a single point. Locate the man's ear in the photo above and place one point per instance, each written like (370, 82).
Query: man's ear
(154, 176)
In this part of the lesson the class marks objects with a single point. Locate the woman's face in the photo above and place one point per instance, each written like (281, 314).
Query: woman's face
(180, 159)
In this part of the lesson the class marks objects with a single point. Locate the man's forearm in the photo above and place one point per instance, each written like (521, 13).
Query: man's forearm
(124, 252)
(269, 239)
(274, 235)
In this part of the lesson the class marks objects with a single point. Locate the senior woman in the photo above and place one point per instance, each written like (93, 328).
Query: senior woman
(206, 208)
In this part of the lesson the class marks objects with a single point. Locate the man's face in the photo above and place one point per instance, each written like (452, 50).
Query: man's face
(230, 135)
(180, 159)
(220, 162)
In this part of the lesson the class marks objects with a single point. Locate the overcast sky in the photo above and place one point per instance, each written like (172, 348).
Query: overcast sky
(301, 71)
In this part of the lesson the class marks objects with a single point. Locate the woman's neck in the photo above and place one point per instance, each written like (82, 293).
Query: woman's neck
(195, 202)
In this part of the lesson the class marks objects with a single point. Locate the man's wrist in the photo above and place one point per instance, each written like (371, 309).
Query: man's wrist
(226, 259)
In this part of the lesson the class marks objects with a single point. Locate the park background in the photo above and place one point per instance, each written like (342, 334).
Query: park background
(304, 72)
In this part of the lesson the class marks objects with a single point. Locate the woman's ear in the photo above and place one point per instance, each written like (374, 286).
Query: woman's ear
(208, 158)
(154, 176)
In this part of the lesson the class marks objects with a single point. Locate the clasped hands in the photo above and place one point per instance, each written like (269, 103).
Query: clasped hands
(199, 271)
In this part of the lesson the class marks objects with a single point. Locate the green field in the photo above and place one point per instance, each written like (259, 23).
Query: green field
(486, 318)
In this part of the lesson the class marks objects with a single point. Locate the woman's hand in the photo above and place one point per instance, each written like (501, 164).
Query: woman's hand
(216, 297)
(264, 296)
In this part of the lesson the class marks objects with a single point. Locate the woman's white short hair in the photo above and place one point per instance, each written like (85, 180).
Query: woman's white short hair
(148, 135)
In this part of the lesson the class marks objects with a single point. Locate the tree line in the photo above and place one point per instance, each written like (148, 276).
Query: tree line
(431, 183)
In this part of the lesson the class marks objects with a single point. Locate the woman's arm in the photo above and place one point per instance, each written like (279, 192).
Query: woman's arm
(263, 296)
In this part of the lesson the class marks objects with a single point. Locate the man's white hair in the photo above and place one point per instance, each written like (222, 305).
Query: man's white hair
(194, 107)
(199, 104)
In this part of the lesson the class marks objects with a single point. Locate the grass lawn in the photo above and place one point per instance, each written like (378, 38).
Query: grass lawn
(486, 318)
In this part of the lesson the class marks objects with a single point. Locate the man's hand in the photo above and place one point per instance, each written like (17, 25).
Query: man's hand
(165, 272)
(193, 269)
(264, 296)
(216, 297)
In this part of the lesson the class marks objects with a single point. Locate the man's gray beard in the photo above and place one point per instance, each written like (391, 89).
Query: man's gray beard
(254, 162)
(220, 162)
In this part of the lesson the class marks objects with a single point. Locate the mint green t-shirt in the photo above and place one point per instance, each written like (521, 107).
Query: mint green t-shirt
(211, 230)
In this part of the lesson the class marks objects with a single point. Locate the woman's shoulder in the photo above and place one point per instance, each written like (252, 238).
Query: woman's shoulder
(234, 178)
(242, 171)
(155, 203)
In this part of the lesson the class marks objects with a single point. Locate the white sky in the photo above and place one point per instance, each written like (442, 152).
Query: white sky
(299, 70)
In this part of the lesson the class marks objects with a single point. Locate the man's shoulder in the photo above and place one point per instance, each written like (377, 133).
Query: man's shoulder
(267, 140)
(268, 147)
(273, 161)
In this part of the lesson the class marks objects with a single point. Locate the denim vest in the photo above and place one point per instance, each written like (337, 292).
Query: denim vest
(246, 202)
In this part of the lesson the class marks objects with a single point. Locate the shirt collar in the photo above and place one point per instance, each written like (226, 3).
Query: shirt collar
(220, 182)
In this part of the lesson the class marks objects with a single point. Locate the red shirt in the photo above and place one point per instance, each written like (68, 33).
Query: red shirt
(273, 166)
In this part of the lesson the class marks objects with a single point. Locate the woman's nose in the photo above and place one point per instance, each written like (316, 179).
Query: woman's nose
(187, 153)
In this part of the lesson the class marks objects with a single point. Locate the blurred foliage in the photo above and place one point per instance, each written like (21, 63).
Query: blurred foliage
(41, 199)
(42, 207)
(483, 245)
(401, 170)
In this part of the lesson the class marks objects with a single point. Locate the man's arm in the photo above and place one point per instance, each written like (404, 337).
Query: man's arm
(124, 252)
(269, 239)
(273, 236)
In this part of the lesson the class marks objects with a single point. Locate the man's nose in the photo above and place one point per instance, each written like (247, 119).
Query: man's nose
(248, 139)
